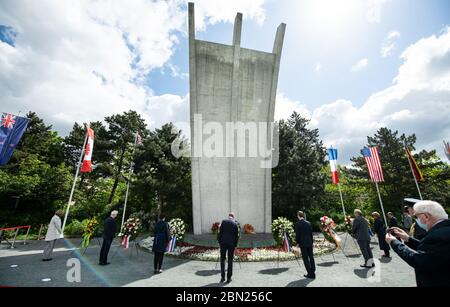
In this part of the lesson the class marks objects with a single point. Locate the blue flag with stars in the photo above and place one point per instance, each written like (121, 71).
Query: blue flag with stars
(11, 131)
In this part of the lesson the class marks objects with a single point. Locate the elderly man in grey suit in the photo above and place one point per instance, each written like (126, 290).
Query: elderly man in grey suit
(53, 234)
(360, 230)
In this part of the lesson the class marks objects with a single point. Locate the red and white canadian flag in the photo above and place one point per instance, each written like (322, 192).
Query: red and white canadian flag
(87, 164)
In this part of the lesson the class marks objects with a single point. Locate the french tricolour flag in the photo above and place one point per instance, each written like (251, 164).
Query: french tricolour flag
(286, 244)
(172, 245)
(332, 156)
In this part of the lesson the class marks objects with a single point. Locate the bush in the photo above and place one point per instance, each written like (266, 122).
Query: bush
(76, 228)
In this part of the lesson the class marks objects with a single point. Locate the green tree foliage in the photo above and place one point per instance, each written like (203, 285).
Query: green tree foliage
(298, 180)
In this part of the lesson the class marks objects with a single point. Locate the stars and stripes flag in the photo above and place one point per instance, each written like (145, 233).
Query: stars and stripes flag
(414, 167)
(87, 162)
(286, 244)
(332, 156)
(172, 244)
(373, 163)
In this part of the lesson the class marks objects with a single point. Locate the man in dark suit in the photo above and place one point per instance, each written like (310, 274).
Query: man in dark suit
(109, 233)
(360, 230)
(228, 240)
(304, 239)
(430, 256)
(392, 220)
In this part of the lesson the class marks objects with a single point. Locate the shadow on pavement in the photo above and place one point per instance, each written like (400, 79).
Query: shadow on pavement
(328, 264)
(300, 283)
(361, 273)
(275, 271)
(207, 272)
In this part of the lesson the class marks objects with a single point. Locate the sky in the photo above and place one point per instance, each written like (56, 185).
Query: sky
(349, 66)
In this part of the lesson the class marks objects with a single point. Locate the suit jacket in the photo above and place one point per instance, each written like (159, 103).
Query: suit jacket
(360, 229)
(303, 233)
(162, 237)
(109, 229)
(393, 222)
(54, 229)
(228, 233)
(429, 257)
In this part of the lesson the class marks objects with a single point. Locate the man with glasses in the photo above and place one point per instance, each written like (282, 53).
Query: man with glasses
(430, 256)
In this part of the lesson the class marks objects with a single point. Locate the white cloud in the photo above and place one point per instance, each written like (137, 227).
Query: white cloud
(374, 8)
(284, 107)
(213, 11)
(318, 67)
(417, 102)
(79, 60)
(360, 65)
(388, 45)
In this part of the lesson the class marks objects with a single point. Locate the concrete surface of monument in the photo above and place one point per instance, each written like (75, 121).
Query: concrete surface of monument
(231, 84)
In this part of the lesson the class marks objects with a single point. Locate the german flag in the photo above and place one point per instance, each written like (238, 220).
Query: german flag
(414, 167)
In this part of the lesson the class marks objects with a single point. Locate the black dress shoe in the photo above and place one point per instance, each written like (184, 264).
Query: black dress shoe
(49, 259)
(310, 276)
(228, 280)
(222, 280)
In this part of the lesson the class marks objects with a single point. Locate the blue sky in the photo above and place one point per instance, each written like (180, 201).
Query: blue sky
(350, 66)
(414, 19)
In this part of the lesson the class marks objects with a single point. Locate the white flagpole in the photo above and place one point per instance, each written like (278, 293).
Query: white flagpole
(342, 201)
(74, 183)
(381, 202)
(414, 176)
(128, 182)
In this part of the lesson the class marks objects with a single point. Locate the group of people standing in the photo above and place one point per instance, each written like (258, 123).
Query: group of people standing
(423, 243)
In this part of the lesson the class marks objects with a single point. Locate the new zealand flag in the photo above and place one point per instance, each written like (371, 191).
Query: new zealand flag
(11, 131)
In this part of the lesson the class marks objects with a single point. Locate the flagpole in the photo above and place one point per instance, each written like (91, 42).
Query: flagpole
(342, 201)
(381, 202)
(74, 184)
(414, 176)
(128, 182)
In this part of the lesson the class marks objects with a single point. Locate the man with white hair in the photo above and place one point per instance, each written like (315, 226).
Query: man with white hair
(109, 232)
(430, 257)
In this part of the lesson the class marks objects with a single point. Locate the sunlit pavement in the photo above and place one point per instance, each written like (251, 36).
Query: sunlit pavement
(23, 266)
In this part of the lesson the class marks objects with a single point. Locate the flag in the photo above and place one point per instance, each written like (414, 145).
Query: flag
(172, 244)
(373, 163)
(286, 244)
(332, 156)
(87, 163)
(447, 149)
(11, 130)
(415, 168)
(139, 140)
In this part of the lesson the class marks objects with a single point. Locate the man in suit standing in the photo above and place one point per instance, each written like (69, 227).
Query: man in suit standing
(360, 230)
(392, 220)
(228, 239)
(109, 232)
(304, 239)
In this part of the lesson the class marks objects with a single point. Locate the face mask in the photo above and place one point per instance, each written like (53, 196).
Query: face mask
(422, 225)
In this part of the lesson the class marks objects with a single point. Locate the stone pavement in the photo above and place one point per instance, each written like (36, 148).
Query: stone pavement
(22, 266)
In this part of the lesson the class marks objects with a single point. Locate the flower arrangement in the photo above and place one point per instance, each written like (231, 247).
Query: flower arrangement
(328, 225)
(130, 228)
(249, 229)
(348, 224)
(89, 231)
(177, 228)
(280, 226)
(215, 227)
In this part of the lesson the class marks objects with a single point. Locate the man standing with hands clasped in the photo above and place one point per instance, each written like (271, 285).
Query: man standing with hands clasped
(304, 238)
(228, 239)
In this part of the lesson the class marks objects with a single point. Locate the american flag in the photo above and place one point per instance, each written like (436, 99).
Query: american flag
(373, 164)
(286, 244)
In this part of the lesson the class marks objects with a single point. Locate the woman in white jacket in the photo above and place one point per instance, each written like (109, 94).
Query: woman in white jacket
(53, 234)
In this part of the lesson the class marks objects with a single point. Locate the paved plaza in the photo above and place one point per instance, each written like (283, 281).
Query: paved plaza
(22, 266)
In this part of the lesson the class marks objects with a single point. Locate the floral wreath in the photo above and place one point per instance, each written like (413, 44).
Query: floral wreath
(280, 226)
(89, 231)
(129, 231)
(177, 228)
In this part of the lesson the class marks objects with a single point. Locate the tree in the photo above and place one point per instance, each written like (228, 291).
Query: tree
(298, 180)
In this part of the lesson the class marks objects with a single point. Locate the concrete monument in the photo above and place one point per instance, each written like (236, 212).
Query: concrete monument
(231, 84)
